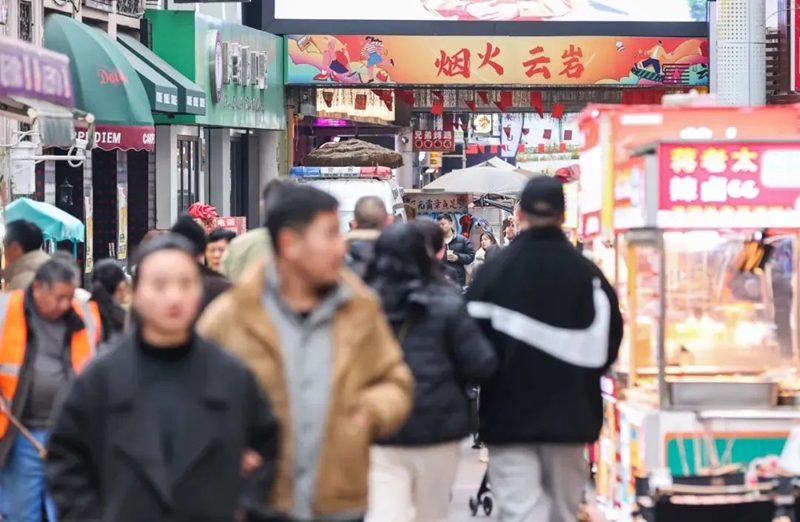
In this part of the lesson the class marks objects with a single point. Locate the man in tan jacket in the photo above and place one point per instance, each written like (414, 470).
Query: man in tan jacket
(254, 245)
(317, 340)
(22, 247)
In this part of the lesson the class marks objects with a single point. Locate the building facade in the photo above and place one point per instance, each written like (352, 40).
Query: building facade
(226, 155)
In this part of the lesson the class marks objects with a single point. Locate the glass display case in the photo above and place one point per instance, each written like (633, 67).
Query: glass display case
(702, 327)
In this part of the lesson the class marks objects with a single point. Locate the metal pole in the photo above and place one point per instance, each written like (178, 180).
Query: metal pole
(663, 392)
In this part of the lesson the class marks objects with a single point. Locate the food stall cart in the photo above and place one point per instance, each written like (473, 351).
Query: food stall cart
(705, 234)
(608, 132)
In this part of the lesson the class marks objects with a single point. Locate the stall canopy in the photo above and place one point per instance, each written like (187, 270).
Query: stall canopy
(481, 180)
(162, 94)
(501, 164)
(106, 84)
(191, 99)
(35, 88)
(56, 224)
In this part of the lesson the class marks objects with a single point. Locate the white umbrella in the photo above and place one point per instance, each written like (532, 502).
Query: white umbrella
(504, 165)
(480, 180)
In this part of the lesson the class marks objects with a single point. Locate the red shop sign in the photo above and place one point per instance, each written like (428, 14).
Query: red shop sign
(729, 185)
(234, 224)
(794, 48)
(122, 137)
(437, 140)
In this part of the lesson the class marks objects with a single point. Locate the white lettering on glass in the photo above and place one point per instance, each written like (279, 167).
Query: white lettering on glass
(683, 189)
(719, 190)
(715, 190)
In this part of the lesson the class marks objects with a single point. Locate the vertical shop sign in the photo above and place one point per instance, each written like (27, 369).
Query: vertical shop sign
(122, 222)
(50, 182)
(590, 192)
(794, 60)
(89, 245)
(122, 205)
(88, 213)
(571, 205)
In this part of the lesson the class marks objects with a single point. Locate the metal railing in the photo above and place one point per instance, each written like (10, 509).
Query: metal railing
(132, 8)
(775, 72)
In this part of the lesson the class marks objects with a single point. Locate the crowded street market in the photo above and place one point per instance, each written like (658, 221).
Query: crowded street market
(407, 261)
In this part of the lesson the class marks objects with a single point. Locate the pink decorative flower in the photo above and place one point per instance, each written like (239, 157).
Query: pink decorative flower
(202, 212)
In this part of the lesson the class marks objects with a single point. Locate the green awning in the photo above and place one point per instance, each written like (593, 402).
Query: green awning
(105, 84)
(162, 94)
(191, 98)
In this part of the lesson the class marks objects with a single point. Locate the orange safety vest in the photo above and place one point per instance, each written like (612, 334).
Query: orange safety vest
(14, 343)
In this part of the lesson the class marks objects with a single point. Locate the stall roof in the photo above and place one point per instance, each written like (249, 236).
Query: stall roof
(55, 223)
(594, 110)
(652, 147)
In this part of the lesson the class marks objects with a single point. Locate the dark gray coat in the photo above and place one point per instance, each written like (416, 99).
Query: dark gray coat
(104, 462)
(447, 353)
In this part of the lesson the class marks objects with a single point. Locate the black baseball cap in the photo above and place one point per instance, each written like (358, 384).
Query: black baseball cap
(543, 196)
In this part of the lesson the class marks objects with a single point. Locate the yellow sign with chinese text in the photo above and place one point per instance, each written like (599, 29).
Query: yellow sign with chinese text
(496, 60)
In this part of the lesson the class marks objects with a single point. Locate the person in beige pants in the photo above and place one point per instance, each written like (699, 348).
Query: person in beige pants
(412, 472)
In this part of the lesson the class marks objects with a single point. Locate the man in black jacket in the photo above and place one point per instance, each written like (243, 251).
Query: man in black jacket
(460, 251)
(435, 237)
(556, 325)
(370, 218)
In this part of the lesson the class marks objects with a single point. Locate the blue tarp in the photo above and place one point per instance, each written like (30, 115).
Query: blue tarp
(56, 224)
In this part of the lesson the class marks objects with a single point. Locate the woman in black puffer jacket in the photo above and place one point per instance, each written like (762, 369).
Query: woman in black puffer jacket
(414, 470)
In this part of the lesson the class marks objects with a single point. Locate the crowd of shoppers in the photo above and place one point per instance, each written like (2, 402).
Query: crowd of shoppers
(298, 374)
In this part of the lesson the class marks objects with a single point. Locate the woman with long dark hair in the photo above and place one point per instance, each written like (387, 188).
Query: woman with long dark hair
(487, 241)
(414, 470)
(109, 291)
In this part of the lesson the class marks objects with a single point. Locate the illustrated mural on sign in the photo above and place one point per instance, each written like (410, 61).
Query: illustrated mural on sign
(729, 184)
(587, 60)
(493, 10)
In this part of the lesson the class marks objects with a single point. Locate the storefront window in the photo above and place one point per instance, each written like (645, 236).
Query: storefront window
(189, 173)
